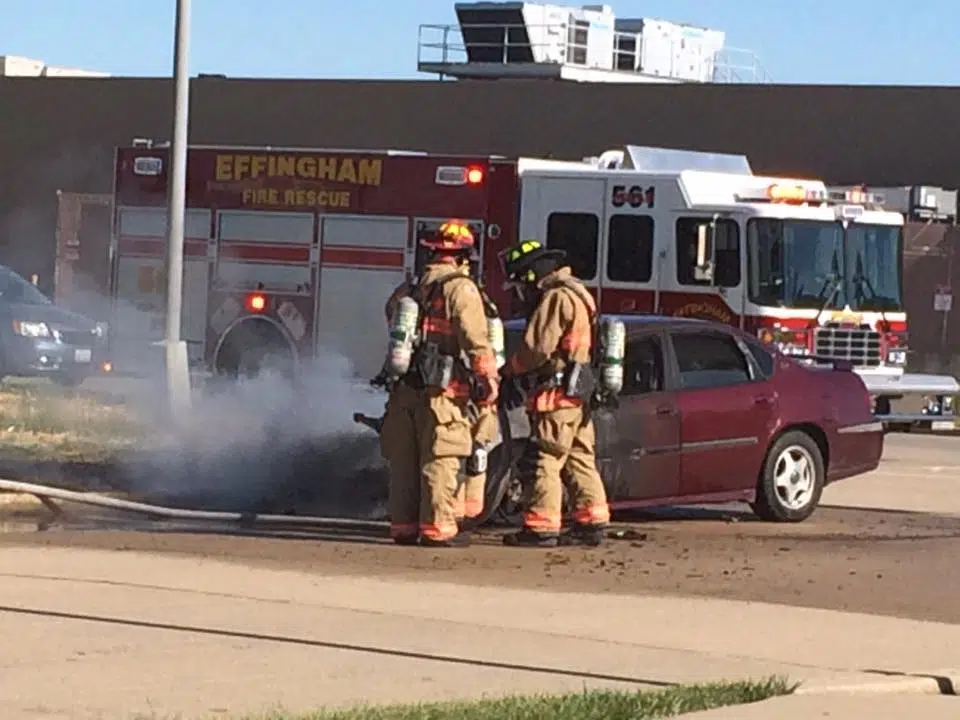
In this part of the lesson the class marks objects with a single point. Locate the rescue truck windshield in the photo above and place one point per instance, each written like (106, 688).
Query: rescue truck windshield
(809, 264)
(873, 258)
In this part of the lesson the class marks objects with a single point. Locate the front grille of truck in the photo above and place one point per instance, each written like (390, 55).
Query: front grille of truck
(860, 346)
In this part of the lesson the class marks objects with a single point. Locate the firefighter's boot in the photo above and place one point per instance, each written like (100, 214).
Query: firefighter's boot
(529, 538)
(590, 536)
(461, 539)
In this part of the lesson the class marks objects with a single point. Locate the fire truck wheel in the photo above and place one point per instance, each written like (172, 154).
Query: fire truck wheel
(271, 359)
(253, 348)
(67, 380)
(791, 480)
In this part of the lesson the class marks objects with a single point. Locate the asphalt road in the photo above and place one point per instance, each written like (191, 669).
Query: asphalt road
(885, 543)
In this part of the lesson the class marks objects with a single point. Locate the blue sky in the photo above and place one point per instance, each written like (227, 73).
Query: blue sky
(813, 41)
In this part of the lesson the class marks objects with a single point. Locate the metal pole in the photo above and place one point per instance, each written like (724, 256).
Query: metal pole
(177, 371)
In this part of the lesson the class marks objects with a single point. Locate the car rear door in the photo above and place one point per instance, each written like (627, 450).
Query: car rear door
(727, 411)
(647, 446)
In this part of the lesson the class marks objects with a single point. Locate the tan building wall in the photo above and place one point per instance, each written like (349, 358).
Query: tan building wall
(59, 133)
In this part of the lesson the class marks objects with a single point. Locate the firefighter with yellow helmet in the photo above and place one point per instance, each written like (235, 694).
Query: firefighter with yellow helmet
(440, 363)
(551, 371)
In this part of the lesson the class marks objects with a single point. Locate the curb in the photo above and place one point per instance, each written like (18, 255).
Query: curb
(946, 682)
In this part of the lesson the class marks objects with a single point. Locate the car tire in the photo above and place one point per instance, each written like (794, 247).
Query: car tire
(785, 493)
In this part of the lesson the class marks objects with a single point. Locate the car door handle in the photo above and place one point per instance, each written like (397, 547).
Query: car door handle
(666, 410)
(763, 400)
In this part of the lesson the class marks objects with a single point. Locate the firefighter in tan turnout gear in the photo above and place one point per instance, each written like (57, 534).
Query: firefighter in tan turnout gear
(440, 363)
(470, 495)
(551, 368)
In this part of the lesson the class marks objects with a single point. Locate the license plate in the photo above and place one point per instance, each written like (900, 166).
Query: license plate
(82, 356)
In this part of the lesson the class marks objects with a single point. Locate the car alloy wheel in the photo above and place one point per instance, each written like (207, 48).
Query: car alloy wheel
(791, 480)
(793, 477)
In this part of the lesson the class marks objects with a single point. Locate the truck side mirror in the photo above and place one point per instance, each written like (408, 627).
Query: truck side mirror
(704, 267)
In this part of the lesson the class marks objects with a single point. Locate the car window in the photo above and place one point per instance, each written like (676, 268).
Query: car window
(763, 357)
(643, 367)
(707, 360)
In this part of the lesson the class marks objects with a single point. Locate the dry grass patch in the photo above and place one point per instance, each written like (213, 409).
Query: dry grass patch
(45, 422)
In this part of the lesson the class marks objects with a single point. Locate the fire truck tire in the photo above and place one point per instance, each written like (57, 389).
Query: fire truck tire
(791, 480)
(252, 347)
(68, 380)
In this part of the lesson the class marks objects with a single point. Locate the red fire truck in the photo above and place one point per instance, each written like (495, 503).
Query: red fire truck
(290, 251)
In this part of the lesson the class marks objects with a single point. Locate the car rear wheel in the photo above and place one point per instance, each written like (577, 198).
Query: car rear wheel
(792, 479)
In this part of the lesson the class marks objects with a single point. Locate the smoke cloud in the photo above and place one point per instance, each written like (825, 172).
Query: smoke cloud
(271, 445)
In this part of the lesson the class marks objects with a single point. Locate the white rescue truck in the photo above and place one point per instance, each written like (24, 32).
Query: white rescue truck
(294, 251)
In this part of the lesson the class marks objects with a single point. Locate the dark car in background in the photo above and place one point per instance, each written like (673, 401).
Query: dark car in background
(38, 338)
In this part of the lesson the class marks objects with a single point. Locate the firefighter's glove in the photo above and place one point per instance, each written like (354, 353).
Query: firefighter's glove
(486, 390)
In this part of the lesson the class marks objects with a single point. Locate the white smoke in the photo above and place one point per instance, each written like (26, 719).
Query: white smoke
(268, 445)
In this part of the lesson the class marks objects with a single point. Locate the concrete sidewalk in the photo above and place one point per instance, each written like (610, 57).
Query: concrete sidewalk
(113, 633)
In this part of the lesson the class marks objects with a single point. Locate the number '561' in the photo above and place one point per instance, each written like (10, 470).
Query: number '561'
(634, 196)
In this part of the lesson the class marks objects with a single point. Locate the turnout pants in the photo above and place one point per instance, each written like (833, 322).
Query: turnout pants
(471, 493)
(425, 438)
(563, 444)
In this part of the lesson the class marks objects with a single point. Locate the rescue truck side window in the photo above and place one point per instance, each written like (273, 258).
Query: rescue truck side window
(726, 252)
(630, 248)
(579, 235)
(709, 360)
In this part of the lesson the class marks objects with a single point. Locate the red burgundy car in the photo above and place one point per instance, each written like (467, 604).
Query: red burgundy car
(708, 414)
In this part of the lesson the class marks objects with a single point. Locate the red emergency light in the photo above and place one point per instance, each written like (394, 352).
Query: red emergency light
(474, 175)
(256, 302)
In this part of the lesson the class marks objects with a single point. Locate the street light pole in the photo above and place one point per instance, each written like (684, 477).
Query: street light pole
(177, 370)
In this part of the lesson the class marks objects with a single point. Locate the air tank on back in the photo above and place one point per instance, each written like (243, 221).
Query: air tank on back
(402, 336)
(613, 345)
(497, 341)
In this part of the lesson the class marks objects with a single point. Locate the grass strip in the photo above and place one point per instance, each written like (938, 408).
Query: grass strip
(586, 705)
(41, 423)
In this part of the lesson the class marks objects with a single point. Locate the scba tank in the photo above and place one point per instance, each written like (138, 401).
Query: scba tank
(613, 348)
(403, 333)
(497, 342)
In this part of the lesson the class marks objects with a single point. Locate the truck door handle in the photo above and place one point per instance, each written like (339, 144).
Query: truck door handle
(762, 400)
(666, 410)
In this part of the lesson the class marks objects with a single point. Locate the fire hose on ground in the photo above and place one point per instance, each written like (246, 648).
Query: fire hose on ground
(47, 494)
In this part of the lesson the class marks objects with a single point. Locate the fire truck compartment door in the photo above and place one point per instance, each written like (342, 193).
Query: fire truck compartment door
(567, 213)
(270, 250)
(140, 286)
(361, 262)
